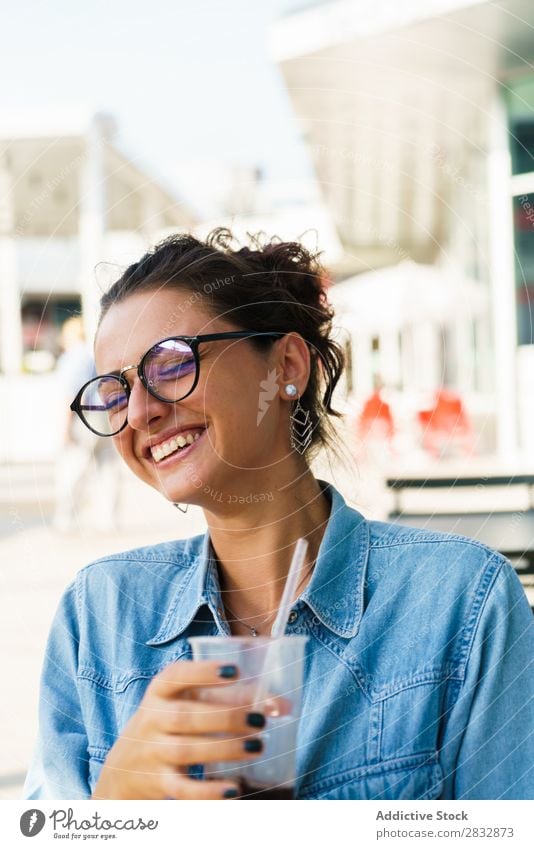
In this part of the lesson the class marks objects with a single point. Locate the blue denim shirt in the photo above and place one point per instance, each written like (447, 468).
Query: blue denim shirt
(418, 676)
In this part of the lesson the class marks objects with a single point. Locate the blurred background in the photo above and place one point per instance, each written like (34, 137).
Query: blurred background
(398, 138)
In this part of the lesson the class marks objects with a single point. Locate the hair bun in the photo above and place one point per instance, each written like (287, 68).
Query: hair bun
(292, 268)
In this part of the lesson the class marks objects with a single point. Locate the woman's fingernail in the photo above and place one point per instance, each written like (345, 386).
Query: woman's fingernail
(230, 793)
(227, 671)
(253, 745)
(256, 720)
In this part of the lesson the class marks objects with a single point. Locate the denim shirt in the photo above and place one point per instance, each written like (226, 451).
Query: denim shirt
(418, 674)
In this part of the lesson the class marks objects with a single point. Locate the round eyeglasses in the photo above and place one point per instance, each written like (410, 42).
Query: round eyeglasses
(169, 371)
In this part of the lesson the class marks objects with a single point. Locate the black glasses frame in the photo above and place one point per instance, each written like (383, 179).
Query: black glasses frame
(192, 341)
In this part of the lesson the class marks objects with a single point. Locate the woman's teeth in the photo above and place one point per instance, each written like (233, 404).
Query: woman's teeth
(174, 444)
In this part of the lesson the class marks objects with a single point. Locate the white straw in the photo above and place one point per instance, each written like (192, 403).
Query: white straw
(297, 562)
(279, 624)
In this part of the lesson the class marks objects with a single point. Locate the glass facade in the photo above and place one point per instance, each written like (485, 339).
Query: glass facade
(520, 100)
(524, 266)
(520, 106)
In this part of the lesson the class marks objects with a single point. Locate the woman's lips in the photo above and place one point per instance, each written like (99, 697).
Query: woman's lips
(177, 455)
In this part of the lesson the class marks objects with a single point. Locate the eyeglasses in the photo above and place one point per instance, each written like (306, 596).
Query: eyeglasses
(169, 371)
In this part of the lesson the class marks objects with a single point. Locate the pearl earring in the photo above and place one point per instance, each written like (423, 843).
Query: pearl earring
(291, 389)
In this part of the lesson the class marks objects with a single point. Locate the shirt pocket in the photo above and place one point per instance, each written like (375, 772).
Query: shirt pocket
(109, 698)
(412, 719)
(416, 777)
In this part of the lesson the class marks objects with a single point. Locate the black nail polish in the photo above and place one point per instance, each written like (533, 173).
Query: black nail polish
(231, 793)
(256, 720)
(253, 745)
(228, 671)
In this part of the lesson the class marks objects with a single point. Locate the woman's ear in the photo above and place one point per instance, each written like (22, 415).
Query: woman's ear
(294, 362)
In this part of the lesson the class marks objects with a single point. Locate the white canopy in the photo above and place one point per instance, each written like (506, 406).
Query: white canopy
(406, 294)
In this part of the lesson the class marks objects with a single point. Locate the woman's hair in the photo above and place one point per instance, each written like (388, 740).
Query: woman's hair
(276, 285)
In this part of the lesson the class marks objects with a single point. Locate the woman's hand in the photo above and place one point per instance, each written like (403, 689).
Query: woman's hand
(172, 729)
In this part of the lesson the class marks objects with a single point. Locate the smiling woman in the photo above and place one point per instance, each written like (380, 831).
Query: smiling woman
(220, 396)
(269, 322)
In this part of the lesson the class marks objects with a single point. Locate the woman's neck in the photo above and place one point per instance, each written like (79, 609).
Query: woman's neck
(254, 545)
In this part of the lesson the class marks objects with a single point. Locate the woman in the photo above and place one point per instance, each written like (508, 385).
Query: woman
(416, 681)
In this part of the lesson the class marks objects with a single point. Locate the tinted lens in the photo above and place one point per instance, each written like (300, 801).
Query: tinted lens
(104, 405)
(170, 369)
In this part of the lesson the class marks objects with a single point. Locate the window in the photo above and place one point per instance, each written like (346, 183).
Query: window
(520, 104)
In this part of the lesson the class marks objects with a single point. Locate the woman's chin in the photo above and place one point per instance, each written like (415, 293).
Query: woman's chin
(191, 490)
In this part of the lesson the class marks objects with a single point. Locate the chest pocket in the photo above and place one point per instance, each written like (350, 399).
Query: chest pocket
(416, 777)
(391, 751)
(413, 718)
(109, 700)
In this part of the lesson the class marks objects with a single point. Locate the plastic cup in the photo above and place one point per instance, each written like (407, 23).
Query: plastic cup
(268, 669)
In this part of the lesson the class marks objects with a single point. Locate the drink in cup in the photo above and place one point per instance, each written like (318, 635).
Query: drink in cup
(270, 673)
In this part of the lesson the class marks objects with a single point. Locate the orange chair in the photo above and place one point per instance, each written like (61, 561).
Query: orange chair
(446, 426)
(376, 419)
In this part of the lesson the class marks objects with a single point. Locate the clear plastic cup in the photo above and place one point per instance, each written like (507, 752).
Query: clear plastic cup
(268, 669)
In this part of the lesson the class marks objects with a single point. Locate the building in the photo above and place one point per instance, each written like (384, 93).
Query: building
(73, 211)
(419, 119)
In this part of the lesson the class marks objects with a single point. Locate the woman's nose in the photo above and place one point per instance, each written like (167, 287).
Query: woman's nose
(143, 409)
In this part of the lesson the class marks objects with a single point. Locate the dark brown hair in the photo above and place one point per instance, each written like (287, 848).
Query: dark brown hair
(271, 285)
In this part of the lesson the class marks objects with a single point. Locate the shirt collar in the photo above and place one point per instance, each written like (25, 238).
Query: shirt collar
(197, 586)
(334, 593)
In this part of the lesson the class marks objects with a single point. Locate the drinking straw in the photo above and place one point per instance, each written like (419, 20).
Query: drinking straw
(279, 624)
(297, 562)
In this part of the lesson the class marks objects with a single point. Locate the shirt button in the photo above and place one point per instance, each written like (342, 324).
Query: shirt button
(293, 616)
(220, 611)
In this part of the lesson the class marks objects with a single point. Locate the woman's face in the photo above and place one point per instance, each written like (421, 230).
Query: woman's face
(224, 408)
